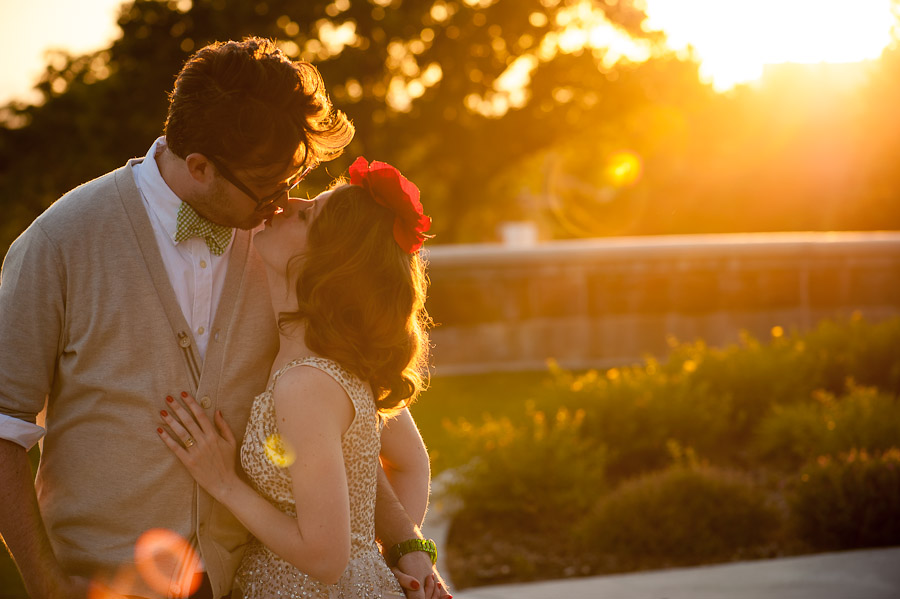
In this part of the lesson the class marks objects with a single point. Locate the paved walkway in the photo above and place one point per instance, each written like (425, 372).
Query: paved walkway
(864, 574)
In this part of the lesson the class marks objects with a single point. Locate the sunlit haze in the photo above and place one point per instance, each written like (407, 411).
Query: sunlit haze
(28, 28)
(734, 39)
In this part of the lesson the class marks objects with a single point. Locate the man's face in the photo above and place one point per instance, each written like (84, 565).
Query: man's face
(243, 199)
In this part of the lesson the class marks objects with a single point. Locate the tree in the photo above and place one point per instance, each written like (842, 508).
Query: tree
(427, 83)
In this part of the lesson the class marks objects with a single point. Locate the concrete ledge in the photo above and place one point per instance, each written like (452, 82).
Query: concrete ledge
(611, 301)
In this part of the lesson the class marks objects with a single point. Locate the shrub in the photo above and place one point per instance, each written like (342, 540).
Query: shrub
(636, 411)
(793, 435)
(451, 399)
(531, 478)
(519, 495)
(680, 516)
(855, 350)
(716, 400)
(848, 501)
(544, 472)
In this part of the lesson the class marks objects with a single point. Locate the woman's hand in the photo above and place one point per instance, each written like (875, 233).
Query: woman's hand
(420, 563)
(210, 456)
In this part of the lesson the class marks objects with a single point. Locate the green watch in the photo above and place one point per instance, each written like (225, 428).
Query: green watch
(400, 549)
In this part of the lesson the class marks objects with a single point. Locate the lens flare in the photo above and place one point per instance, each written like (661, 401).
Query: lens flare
(122, 584)
(167, 563)
(279, 451)
(624, 168)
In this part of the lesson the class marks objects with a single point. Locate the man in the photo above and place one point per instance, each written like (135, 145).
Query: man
(142, 284)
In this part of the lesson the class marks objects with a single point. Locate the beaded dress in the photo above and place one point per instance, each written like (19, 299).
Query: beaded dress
(262, 574)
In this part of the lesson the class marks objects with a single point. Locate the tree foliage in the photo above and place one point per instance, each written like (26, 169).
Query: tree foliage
(564, 112)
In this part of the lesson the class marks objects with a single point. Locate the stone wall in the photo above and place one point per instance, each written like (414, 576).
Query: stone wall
(597, 303)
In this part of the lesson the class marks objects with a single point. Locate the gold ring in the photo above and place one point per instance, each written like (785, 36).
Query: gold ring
(189, 442)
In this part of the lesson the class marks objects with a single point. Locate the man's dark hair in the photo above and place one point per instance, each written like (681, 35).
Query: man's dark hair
(249, 105)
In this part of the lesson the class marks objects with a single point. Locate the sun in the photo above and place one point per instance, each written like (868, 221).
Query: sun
(735, 39)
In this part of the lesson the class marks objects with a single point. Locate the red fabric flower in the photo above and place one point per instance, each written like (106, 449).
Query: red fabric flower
(400, 195)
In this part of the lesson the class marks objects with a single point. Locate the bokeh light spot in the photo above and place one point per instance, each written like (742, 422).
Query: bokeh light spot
(624, 168)
(123, 583)
(167, 563)
(537, 19)
(279, 451)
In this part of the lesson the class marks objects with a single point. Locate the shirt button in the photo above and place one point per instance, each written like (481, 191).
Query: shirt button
(206, 402)
(203, 264)
(201, 330)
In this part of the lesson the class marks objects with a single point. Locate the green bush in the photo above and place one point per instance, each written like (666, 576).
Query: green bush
(854, 350)
(849, 501)
(544, 472)
(680, 516)
(716, 400)
(526, 485)
(636, 411)
(713, 400)
(793, 435)
(792, 365)
(473, 398)
(759, 407)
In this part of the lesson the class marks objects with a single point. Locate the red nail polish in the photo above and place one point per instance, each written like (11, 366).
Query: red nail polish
(415, 585)
(164, 413)
(184, 394)
(159, 430)
(170, 399)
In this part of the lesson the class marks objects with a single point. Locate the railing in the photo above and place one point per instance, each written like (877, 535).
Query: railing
(596, 303)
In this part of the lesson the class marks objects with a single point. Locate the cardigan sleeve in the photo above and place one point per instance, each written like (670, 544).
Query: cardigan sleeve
(32, 313)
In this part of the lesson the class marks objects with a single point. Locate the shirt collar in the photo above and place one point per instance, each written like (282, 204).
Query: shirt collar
(160, 197)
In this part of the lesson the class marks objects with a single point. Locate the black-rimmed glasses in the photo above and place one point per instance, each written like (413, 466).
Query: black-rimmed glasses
(260, 202)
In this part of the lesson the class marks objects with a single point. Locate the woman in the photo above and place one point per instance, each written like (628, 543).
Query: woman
(348, 289)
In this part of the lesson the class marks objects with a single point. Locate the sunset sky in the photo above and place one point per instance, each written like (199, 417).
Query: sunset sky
(733, 38)
(29, 27)
(736, 38)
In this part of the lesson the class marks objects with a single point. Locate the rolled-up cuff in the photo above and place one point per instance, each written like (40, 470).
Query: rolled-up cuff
(21, 432)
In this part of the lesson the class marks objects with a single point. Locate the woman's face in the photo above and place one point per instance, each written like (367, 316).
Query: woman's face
(284, 235)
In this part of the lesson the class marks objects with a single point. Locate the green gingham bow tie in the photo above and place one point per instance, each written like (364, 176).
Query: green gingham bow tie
(190, 224)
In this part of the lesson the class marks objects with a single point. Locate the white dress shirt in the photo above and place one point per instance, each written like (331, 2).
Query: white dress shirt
(196, 274)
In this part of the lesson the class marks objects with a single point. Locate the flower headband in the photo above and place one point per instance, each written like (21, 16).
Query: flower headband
(401, 196)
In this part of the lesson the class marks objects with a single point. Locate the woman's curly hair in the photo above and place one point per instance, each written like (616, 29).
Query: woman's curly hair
(363, 298)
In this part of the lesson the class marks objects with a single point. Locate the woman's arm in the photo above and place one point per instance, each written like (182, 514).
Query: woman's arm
(406, 465)
(312, 412)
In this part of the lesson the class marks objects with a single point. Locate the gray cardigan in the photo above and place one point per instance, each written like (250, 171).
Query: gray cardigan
(89, 321)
